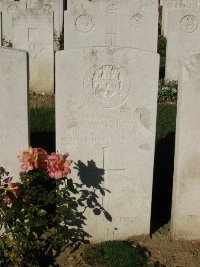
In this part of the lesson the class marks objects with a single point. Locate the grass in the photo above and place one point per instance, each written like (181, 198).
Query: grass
(42, 120)
(115, 254)
(166, 120)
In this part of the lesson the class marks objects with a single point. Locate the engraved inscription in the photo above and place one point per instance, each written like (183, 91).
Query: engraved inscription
(12, 9)
(106, 132)
(189, 24)
(107, 85)
(84, 23)
(5, 133)
(137, 20)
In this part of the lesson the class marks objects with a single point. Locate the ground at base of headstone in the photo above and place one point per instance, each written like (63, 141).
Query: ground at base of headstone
(162, 251)
(41, 100)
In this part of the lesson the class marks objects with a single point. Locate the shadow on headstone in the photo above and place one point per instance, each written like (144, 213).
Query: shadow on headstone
(43, 140)
(162, 182)
(90, 192)
(92, 179)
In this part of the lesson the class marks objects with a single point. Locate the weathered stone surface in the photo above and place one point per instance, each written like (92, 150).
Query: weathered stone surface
(33, 31)
(124, 23)
(14, 135)
(9, 8)
(183, 37)
(186, 197)
(106, 118)
(50, 5)
(0, 29)
(174, 4)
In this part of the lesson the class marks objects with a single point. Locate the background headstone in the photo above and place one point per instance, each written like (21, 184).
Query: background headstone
(171, 5)
(33, 31)
(9, 8)
(50, 5)
(14, 135)
(124, 23)
(57, 7)
(186, 198)
(106, 119)
(183, 37)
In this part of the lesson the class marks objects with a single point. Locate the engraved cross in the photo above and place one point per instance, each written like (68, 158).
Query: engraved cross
(111, 20)
(106, 168)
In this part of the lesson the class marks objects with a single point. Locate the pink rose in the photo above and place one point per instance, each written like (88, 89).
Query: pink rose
(41, 163)
(58, 165)
(33, 158)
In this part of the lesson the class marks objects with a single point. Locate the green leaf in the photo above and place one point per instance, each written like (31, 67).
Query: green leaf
(2, 245)
(42, 212)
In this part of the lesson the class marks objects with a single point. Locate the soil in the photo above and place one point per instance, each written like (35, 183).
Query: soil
(41, 100)
(160, 247)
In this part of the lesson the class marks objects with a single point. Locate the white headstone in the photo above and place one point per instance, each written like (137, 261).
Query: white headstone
(171, 5)
(124, 23)
(57, 7)
(14, 135)
(183, 37)
(186, 198)
(50, 5)
(106, 102)
(34, 4)
(33, 31)
(9, 8)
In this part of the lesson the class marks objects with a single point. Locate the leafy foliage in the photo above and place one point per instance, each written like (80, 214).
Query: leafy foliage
(166, 120)
(59, 40)
(167, 91)
(115, 254)
(43, 212)
(6, 43)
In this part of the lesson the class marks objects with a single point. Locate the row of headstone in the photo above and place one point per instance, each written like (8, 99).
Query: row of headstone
(106, 102)
(115, 141)
(31, 26)
(106, 109)
(111, 23)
